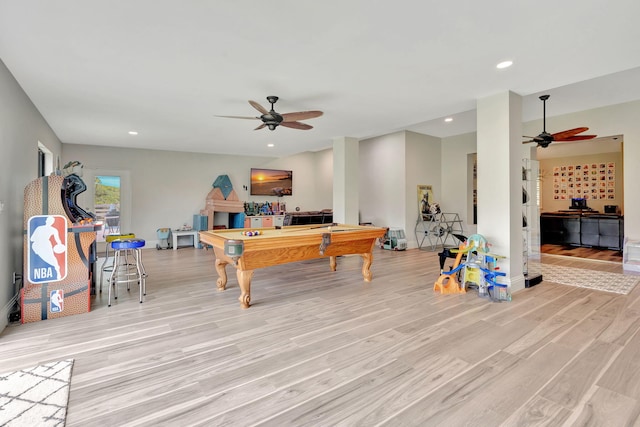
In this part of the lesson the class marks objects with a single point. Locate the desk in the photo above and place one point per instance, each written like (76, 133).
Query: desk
(192, 234)
(290, 244)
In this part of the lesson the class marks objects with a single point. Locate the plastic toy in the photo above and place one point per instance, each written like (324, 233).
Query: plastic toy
(164, 235)
(479, 270)
(395, 239)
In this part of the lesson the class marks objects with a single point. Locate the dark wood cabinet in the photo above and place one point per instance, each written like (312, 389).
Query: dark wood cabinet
(592, 230)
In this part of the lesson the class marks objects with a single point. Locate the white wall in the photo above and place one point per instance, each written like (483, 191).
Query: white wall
(456, 194)
(391, 168)
(312, 180)
(382, 179)
(21, 127)
(168, 188)
(422, 167)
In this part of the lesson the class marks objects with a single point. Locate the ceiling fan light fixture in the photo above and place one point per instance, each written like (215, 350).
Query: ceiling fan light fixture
(272, 119)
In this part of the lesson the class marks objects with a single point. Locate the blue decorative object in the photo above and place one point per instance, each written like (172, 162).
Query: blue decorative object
(224, 184)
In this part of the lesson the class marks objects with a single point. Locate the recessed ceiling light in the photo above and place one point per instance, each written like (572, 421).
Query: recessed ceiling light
(133, 132)
(270, 145)
(448, 119)
(504, 64)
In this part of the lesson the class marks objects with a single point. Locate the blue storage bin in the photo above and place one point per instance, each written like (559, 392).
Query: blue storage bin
(238, 221)
(200, 222)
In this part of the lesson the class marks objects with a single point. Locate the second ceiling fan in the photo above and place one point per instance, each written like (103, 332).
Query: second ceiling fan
(271, 119)
(544, 139)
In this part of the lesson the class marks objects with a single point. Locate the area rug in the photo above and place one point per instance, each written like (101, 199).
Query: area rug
(36, 396)
(599, 280)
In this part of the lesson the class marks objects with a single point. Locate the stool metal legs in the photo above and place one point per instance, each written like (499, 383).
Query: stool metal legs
(127, 268)
(109, 239)
(106, 267)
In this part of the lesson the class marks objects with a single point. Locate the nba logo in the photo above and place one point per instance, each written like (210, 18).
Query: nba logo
(47, 252)
(56, 301)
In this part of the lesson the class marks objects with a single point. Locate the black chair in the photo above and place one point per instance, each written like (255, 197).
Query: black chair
(446, 252)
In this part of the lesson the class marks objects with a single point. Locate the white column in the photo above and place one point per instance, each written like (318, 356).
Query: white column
(345, 180)
(500, 181)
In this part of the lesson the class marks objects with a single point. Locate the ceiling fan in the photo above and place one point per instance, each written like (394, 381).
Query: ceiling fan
(271, 119)
(544, 139)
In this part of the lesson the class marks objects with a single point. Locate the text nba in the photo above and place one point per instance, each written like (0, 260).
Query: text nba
(43, 273)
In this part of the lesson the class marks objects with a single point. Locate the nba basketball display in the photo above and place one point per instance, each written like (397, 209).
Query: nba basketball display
(59, 249)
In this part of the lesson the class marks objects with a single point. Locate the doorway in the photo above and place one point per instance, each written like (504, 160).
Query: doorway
(107, 187)
(589, 172)
(106, 204)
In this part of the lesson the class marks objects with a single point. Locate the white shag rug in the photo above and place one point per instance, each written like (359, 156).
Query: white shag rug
(580, 277)
(36, 396)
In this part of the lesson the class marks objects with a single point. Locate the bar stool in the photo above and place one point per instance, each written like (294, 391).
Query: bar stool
(126, 270)
(108, 239)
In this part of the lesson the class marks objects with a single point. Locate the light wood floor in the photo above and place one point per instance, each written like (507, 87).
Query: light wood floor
(321, 349)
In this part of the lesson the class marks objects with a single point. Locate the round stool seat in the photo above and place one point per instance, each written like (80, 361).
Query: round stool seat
(127, 244)
(111, 237)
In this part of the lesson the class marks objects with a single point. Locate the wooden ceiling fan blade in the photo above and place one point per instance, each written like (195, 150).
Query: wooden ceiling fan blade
(568, 133)
(258, 107)
(240, 117)
(301, 115)
(296, 125)
(260, 127)
(576, 138)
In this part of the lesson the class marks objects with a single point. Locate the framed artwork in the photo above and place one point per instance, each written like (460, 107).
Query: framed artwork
(588, 181)
(425, 198)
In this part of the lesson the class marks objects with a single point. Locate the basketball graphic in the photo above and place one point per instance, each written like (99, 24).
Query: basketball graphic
(47, 248)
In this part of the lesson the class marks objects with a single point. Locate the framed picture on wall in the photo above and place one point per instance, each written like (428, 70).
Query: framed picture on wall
(425, 198)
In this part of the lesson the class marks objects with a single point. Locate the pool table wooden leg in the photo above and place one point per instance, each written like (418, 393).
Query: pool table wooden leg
(222, 274)
(367, 259)
(244, 279)
(333, 263)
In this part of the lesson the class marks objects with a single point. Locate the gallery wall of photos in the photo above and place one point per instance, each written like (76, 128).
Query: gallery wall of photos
(592, 181)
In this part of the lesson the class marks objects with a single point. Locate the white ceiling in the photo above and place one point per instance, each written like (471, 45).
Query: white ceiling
(97, 69)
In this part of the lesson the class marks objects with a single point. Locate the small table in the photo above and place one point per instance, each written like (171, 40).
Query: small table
(290, 244)
(193, 234)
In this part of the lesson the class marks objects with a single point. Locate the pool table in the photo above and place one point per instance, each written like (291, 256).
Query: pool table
(275, 246)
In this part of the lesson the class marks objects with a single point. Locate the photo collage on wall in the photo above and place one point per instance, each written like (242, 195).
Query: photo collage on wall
(593, 181)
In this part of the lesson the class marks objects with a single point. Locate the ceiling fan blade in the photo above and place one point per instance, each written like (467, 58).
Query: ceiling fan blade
(260, 127)
(239, 117)
(576, 138)
(259, 107)
(296, 125)
(300, 115)
(568, 133)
